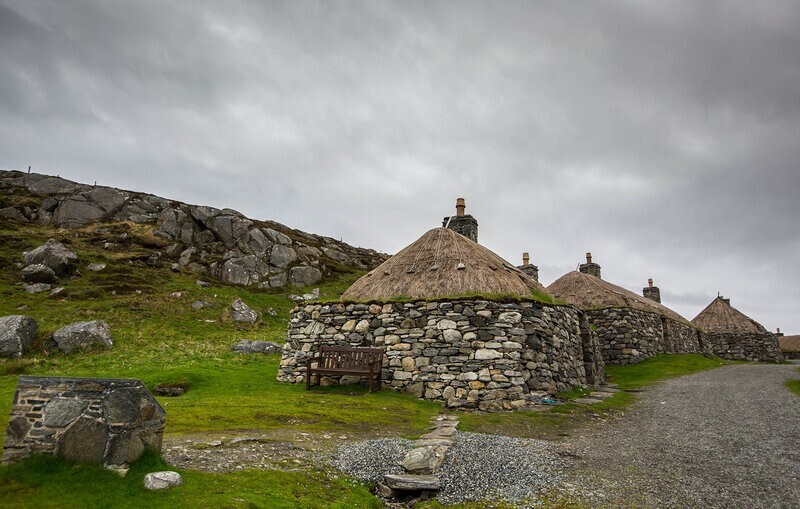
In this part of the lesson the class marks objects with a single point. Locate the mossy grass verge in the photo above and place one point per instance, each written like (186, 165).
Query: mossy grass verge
(562, 420)
(48, 482)
(794, 385)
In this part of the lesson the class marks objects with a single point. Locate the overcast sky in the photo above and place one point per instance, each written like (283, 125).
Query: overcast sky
(662, 136)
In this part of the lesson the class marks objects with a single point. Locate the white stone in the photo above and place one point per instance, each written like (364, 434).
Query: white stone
(487, 354)
(446, 324)
(510, 317)
(451, 335)
(362, 326)
(162, 480)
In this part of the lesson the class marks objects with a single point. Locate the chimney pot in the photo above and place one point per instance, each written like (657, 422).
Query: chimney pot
(526, 259)
(588, 257)
(460, 206)
(650, 282)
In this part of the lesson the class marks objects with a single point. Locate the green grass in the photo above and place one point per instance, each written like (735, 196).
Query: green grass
(565, 419)
(47, 482)
(661, 367)
(794, 385)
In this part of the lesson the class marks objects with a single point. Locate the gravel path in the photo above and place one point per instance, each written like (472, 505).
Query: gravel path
(728, 438)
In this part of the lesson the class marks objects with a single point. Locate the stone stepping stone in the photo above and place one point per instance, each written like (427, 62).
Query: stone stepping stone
(600, 395)
(424, 460)
(608, 389)
(587, 401)
(411, 482)
(426, 442)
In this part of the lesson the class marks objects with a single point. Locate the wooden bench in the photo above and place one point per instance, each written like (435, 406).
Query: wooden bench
(339, 360)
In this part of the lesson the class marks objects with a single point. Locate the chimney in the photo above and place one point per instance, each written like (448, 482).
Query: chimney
(528, 268)
(726, 301)
(778, 332)
(460, 206)
(652, 292)
(590, 267)
(462, 223)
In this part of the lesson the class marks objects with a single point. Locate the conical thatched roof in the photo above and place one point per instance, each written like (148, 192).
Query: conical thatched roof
(586, 291)
(442, 263)
(789, 343)
(720, 316)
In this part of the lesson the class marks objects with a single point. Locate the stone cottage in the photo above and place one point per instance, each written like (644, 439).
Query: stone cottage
(630, 327)
(459, 325)
(731, 334)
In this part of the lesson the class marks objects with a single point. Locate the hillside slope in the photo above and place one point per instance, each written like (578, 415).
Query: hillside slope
(216, 243)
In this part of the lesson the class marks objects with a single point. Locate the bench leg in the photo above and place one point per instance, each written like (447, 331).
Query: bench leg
(308, 380)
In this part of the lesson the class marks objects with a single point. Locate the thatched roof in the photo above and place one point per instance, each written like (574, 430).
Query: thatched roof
(587, 292)
(442, 263)
(720, 316)
(790, 343)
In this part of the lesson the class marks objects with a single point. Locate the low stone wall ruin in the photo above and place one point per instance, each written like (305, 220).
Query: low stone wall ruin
(98, 420)
(745, 346)
(468, 353)
(629, 336)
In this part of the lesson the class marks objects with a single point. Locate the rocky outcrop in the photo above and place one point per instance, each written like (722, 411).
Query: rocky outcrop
(96, 420)
(16, 335)
(81, 336)
(217, 242)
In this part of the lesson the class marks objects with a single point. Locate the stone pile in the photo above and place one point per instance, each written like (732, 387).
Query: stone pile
(97, 420)
(469, 353)
(221, 243)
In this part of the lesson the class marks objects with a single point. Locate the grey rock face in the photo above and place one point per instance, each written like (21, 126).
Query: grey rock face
(16, 335)
(304, 275)
(108, 421)
(53, 254)
(38, 273)
(44, 185)
(162, 480)
(282, 256)
(81, 336)
(241, 312)
(247, 346)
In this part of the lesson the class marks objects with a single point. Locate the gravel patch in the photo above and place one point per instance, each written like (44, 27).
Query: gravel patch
(494, 467)
(370, 460)
(477, 467)
(722, 438)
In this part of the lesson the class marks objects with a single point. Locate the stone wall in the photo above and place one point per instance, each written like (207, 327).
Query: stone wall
(468, 353)
(108, 421)
(744, 346)
(629, 336)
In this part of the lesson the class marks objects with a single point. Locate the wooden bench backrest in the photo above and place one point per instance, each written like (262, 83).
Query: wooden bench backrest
(348, 358)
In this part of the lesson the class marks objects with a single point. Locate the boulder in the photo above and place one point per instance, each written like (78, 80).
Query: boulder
(241, 312)
(38, 273)
(247, 346)
(16, 335)
(424, 460)
(96, 267)
(12, 214)
(107, 421)
(37, 287)
(162, 480)
(55, 255)
(81, 336)
(304, 275)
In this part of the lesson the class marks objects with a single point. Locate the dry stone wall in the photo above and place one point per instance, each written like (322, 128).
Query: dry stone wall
(468, 353)
(99, 420)
(744, 346)
(629, 336)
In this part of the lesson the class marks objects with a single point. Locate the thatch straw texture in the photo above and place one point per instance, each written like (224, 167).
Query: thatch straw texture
(790, 343)
(720, 316)
(586, 292)
(441, 263)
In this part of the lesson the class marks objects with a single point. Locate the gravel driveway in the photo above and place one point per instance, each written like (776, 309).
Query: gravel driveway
(728, 438)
